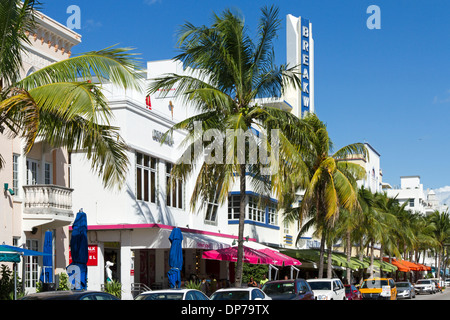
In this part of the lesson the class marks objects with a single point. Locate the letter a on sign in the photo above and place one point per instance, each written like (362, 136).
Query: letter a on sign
(374, 21)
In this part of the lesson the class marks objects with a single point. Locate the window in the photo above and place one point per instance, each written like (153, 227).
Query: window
(31, 265)
(411, 202)
(234, 202)
(211, 212)
(32, 172)
(273, 215)
(174, 192)
(48, 173)
(16, 174)
(255, 210)
(146, 177)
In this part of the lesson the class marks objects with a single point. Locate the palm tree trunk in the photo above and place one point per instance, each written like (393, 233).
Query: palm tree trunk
(329, 261)
(322, 250)
(349, 255)
(371, 258)
(240, 265)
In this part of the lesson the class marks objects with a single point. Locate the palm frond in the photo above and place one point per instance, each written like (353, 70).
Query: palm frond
(116, 65)
(16, 21)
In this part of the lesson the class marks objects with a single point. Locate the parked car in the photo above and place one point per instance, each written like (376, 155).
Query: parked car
(405, 290)
(447, 282)
(292, 289)
(378, 289)
(352, 292)
(70, 295)
(425, 286)
(172, 294)
(327, 289)
(250, 293)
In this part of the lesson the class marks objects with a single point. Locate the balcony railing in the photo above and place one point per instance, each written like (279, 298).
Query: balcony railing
(47, 198)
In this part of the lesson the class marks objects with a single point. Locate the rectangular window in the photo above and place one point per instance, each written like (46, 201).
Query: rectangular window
(32, 172)
(211, 210)
(174, 189)
(211, 213)
(233, 206)
(146, 177)
(31, 265)
(411, 202)
(48, 173)
(256, 212)
(273, 214)
(16, 174)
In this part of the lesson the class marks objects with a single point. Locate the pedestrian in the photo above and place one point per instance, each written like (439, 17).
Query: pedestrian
(263, 280)
(252, 283)
(204, 287)
(212, 284)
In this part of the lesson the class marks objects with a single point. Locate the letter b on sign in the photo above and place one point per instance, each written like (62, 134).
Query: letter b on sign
(374, 21)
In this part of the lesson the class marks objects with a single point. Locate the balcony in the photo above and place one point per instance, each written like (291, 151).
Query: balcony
(45, 205)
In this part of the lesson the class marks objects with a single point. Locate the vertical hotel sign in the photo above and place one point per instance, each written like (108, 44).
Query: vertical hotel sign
(305, 63)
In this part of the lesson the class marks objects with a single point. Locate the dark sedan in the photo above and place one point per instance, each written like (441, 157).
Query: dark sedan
(293, 289)
(70, 295)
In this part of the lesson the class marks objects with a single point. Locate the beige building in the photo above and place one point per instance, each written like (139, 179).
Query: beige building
(37, 196)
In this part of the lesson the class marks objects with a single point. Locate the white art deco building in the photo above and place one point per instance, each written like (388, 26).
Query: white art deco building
(130, 227)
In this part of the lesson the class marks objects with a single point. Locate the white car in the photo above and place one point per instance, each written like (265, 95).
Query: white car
(250, 293)
(172, 294)
(425, 286)
(327, 289)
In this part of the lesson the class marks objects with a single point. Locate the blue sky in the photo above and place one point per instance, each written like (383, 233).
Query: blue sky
(388, 87)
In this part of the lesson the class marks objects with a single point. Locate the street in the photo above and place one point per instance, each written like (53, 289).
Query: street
(438, 296)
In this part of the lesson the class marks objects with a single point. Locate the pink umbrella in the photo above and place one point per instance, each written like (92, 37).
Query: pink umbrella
(230, 254)
(281, 257)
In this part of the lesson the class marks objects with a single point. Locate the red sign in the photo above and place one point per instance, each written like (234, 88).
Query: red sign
(93, 254)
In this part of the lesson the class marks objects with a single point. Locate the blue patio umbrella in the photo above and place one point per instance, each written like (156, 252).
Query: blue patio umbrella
(79, 248)
(47, 263)
(175, 258)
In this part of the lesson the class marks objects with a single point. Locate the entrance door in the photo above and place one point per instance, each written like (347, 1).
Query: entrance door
(147, 272)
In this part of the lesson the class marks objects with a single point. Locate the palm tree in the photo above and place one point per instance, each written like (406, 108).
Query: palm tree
(60, 103)
(331, 181)
(228, 71)
(441, 224)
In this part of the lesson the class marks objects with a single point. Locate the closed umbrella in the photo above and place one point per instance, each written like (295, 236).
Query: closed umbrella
(47, 263)
(175, 258)
(79, 249)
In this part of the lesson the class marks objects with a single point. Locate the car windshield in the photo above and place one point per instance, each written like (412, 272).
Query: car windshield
(231, 295)
(279, 288)
(320, 285)
(161, 296)
(402, 284)
(374, 283)
(424, 282)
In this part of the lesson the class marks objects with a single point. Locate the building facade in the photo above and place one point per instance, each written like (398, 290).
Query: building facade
(130, 226)
(36, 193)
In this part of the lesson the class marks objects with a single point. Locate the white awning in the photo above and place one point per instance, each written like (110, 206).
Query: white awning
(191, 240)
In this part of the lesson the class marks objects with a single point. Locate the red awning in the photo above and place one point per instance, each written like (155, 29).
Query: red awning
(281, 258)
(230, 254)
